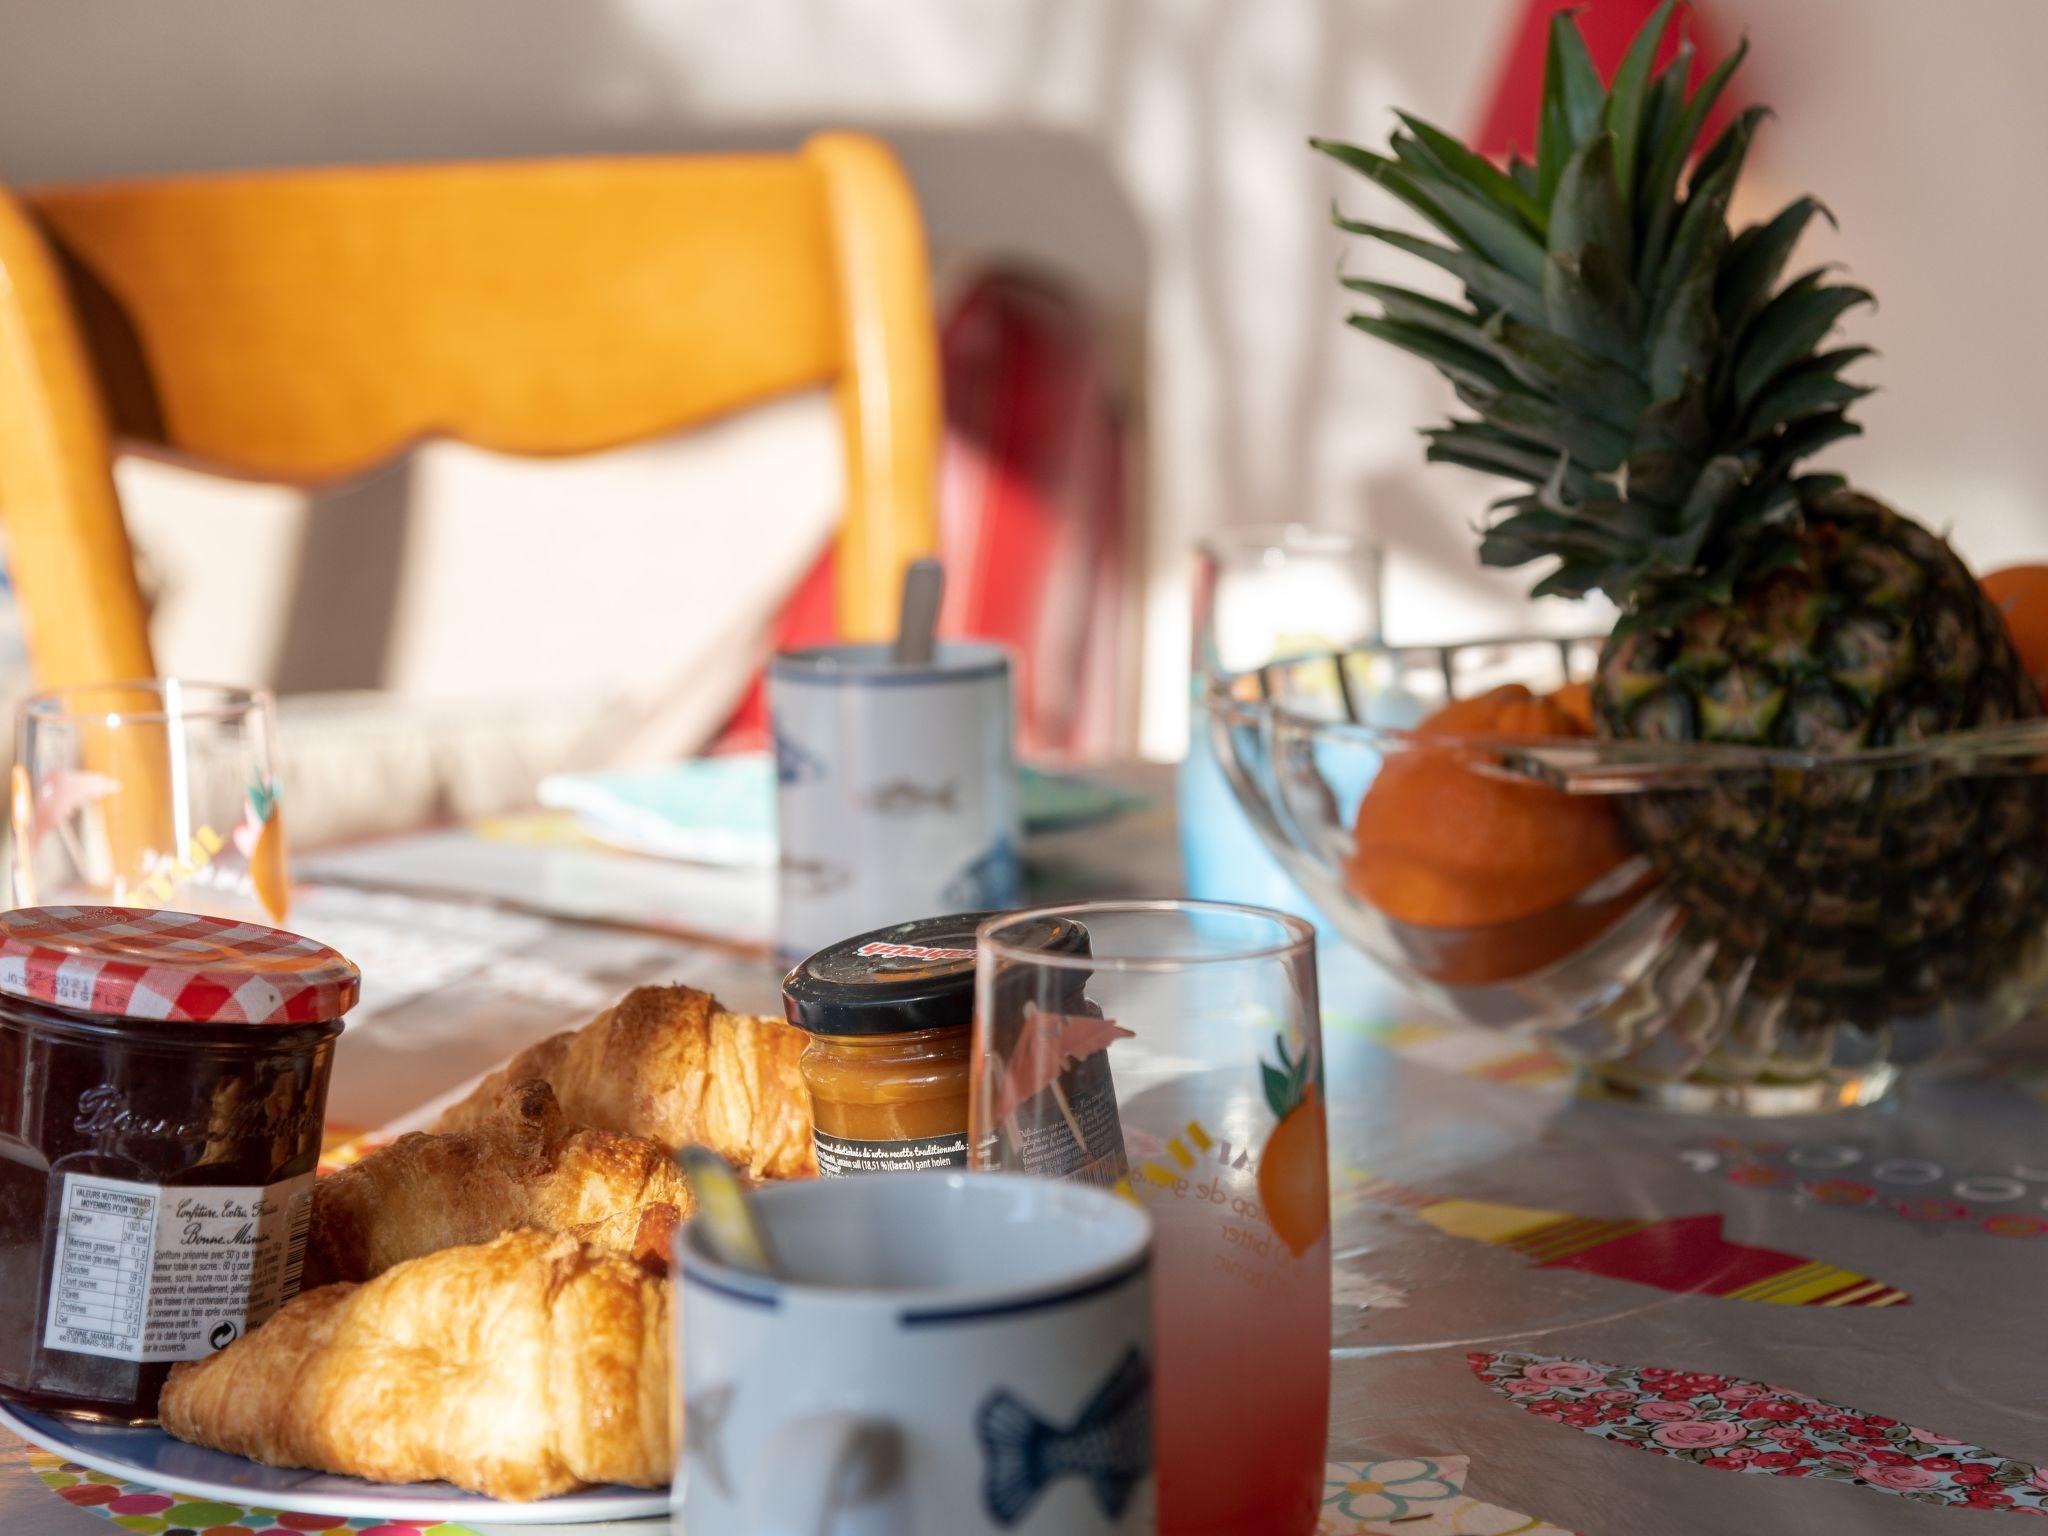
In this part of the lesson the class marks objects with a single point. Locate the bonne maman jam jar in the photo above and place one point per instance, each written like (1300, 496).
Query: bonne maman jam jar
(163, 1080)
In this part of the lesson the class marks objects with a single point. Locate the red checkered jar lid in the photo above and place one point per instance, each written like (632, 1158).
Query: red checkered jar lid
(135, 963)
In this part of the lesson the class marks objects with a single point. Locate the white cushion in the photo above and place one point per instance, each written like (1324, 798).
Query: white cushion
(358, 764)
(492, 618)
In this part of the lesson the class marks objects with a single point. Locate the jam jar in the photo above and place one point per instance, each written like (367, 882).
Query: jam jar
(163, 1081)
(891, 1020)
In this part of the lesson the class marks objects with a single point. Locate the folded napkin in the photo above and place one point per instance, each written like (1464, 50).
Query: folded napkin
(709, 810)
(721, 810)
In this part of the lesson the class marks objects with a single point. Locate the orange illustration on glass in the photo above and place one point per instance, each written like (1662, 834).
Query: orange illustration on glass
(1190, 1077)
(150, 794)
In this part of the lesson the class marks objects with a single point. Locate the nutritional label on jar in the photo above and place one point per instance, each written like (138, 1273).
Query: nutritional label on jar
(841, 1155)
(146, 1272)
(99, 1284)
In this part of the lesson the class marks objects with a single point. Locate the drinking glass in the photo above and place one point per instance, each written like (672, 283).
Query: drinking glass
(158, 793)
(1262, 593)
(1268, 590)
(1177, 1058)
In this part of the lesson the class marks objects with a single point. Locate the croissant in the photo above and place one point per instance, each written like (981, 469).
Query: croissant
(518, 1368)
(669, 1063)
(527, 1166)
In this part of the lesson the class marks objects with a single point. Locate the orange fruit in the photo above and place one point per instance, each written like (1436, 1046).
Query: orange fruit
(1442, 844)
(1480, 872)
(1475, 957)
(2020, 592)
(1294, 1175)
(1575, 700)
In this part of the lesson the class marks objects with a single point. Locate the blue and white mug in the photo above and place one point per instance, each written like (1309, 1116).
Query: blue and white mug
(942, 1354)
(896, 788)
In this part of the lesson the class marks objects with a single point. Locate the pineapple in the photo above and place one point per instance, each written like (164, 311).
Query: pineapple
(1655, 386)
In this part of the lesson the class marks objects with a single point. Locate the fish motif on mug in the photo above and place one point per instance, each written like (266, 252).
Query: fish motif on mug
(994, 879)
(796, 763)
(1109, 1445)
(901, 797)
(706, 1414)
(815, 877)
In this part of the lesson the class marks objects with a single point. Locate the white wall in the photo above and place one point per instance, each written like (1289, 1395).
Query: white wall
(1154, 148)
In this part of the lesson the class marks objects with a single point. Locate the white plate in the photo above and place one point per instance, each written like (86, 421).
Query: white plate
(150, 1456)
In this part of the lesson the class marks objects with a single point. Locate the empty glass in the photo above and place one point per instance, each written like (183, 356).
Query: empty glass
(159, 793)
(1263, 592)
(1177, 1058)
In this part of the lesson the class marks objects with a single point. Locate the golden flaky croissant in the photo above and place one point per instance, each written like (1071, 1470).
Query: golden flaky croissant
(525, 1166)
(518, 1368)
(669, 1063)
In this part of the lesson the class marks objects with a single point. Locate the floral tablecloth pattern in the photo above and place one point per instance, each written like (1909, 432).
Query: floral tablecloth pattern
(1414, 1496)
(2002, 1200)
(152, 1512)
(1732, 1425)
(1404, 1496)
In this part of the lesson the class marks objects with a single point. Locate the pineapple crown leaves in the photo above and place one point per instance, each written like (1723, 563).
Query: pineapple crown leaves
(1644, 375)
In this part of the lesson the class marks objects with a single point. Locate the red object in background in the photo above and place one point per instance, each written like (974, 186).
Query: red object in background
(1031, 516)
(810, 617)
(1515, 104)
(1031, 507)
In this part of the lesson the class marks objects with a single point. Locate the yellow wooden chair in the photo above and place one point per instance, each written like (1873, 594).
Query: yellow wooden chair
(303, 325)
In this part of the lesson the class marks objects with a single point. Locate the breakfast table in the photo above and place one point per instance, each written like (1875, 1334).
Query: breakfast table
(1834, 1319)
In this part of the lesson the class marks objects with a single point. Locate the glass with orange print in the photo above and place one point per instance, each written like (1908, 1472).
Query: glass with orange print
(1200, 1022)
(157, 793)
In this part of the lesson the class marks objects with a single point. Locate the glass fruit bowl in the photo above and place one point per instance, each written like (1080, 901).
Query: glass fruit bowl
(1706, 928)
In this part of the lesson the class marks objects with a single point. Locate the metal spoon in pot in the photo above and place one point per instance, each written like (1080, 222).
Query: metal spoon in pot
(917, 619)
(732, 1230)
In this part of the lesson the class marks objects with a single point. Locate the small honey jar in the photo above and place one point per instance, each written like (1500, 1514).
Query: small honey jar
(891, 1020)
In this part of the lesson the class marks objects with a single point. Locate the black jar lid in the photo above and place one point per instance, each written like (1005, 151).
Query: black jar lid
(908, 976)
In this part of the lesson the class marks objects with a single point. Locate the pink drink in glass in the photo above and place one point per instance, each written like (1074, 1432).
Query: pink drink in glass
(1241, 1388)
(1172, 1049)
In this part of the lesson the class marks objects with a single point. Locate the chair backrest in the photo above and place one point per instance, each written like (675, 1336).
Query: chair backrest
(305, 325)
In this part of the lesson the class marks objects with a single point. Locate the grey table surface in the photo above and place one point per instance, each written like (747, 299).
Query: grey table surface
(1456, 1114)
